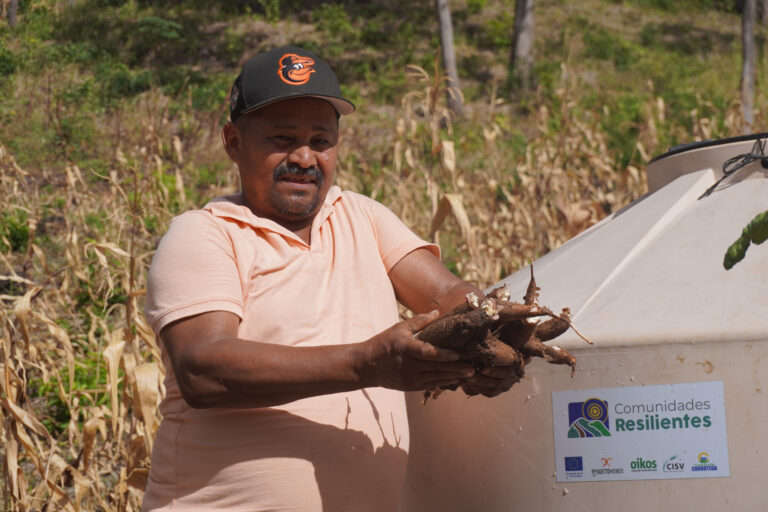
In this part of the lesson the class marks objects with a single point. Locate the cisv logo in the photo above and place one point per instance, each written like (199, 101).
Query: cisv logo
(674, 465)
(588, 418)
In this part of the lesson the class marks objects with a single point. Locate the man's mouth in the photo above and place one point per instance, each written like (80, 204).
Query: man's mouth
(299, 176)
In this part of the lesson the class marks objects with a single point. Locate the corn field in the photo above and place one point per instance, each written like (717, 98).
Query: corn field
(80, 371)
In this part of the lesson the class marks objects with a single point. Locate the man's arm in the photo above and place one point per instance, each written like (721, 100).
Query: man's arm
(216, 369)
(422, 283)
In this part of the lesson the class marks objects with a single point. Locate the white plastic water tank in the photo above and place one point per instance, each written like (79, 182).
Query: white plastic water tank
(670, 326)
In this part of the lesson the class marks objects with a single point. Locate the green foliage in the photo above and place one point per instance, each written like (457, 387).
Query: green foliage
(95, 221)
(157, 30)
(664, 5)
(756, 232)
(14, 231)
(602, 44)
(7, 63)
(498, 30)
(117, 80)
(684, 40)
(271, 9)
(681, 5)
(333, 20)
(90, 376)
(621, 119)
(475, 6)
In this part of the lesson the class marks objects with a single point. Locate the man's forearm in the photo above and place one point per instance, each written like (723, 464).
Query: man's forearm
(216, 369)
(239, 373)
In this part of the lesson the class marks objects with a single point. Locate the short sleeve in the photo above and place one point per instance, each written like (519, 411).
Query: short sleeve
(193, 271)
(395, 239)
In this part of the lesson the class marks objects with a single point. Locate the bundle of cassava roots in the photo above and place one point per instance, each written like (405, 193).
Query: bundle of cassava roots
(495, 331)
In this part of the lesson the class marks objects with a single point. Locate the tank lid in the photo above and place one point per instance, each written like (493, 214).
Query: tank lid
(710, 154)
(689, 146)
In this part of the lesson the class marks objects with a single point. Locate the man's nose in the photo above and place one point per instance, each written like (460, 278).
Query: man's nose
(303, 156)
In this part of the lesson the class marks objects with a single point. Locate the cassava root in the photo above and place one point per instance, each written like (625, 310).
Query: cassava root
(497, 332)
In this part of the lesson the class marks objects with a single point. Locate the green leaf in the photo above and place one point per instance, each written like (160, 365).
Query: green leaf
(755, 232)
(757, 229)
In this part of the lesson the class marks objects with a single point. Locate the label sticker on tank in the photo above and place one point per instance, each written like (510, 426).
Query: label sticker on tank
(641, 433)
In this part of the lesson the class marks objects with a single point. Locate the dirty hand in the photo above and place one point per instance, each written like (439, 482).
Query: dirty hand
(493, 381)
(396, 359)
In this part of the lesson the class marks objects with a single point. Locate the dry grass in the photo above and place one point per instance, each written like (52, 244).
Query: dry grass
(80, 377)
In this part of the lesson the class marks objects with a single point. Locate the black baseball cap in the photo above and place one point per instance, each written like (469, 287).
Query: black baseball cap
(282, 73)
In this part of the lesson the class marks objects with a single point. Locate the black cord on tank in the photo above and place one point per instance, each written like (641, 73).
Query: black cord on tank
(738, 162)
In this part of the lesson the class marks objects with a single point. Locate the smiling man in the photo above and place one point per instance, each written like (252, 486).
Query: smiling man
(276, 309)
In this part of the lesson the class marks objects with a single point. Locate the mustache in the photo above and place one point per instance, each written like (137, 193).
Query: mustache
(284, 169)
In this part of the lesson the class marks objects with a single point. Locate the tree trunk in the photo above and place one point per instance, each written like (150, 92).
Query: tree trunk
(749, 59)
(13, 9)
(762, 11)
(521, 62)
(453, 94)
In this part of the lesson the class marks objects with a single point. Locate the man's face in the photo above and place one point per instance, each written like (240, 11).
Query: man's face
(287, 154)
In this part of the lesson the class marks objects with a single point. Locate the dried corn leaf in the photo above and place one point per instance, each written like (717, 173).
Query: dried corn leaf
(29, 420)
(12, 463)
(443, 209)
(61, 335)
(182, 193)
(100, 248)
(54, 470)
(82, 487)
(448, 156)
(457, 206)
(146, 333)
(147, 378)
(139, 478)
(91, 427)
(112, 355)
(22, 310)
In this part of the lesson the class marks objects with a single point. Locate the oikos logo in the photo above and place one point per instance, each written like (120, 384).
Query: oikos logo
(674, 465)
(640, 464)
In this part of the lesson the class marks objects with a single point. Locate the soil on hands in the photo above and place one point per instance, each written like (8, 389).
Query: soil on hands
(495, 331)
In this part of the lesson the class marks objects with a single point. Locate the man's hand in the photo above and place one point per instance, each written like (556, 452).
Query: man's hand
(396, 359)
(496, 380)
(492, 381)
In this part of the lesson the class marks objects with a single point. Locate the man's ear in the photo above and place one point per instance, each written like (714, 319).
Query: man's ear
(232, 140)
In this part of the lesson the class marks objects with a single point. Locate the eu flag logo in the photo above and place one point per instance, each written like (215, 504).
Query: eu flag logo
(574, 464)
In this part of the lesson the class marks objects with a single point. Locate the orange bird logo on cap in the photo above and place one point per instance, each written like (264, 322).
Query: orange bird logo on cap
(295, 69)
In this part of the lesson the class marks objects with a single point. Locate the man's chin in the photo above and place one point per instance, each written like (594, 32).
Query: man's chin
(296, 208)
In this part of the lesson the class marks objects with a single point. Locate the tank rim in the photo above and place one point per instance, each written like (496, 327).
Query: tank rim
(682, 148)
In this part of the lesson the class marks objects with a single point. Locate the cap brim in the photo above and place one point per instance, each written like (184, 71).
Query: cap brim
(342, 106)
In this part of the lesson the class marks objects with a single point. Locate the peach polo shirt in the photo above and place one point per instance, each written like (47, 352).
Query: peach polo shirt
(338, 452)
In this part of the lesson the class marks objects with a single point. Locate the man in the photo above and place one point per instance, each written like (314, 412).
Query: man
(276, 308)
